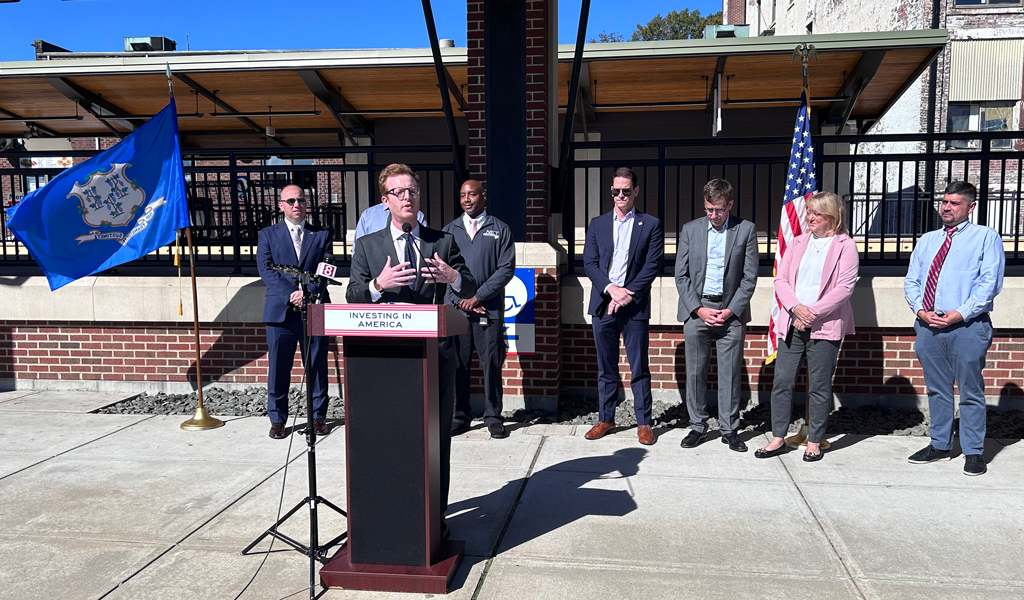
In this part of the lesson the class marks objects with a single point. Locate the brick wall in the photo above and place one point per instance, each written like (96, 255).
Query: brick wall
(874, 361)
(734, 13)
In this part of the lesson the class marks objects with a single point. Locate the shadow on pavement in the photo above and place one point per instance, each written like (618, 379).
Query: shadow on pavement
(564, 493)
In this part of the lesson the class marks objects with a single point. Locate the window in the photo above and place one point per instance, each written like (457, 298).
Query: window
(982, 116)
(986, 2)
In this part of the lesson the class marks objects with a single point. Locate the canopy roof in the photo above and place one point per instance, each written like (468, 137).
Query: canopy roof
(329, 92)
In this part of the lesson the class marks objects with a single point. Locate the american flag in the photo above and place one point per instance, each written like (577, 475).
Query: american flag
(800, 185)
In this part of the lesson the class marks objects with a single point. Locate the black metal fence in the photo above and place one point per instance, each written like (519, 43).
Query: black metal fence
(233, 194)
(891, 185)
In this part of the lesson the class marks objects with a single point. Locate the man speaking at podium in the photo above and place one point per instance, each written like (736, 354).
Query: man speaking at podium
(409, 262)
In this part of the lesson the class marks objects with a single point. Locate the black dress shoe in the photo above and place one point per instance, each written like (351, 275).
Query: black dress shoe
(459, 427)
(320, 427)
(445, 532)
(734, 441)
(766, 453)
(808, 457)
(694, 439)
(277, 431)
(497, 431)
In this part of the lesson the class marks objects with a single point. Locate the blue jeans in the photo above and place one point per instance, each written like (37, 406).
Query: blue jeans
(956, 353)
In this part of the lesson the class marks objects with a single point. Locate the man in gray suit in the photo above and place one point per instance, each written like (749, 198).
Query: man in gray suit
(716, 271)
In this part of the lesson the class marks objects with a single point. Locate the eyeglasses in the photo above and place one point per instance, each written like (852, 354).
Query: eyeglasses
(627, 192)
(715, 211)
(400, 192)
(292, 201)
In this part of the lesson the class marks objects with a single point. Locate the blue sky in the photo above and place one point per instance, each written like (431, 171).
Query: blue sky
(100, 25)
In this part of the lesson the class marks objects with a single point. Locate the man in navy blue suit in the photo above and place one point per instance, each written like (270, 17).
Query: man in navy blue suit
(294, 242)
(622, 256)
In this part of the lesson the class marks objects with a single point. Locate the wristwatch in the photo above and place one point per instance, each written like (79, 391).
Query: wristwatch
(376, 286)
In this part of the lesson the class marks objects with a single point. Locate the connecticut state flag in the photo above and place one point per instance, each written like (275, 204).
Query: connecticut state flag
(118, 206)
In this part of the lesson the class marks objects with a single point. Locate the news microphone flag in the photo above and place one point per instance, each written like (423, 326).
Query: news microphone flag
(118, 206)
(800, 185)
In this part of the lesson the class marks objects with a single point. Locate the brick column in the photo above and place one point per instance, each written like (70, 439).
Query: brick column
(538, 84)
(531, 381)
(477, 145)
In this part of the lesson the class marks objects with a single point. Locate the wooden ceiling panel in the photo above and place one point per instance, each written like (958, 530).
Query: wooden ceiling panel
(777, 76)
(394, 88)
(896, 68)
(33, 97)
(256, 91)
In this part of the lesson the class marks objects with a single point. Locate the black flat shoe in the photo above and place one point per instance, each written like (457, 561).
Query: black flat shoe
(766, 453)
(458, 427)
(808, 457)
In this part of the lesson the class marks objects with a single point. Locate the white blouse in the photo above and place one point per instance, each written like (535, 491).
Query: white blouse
(808, 277)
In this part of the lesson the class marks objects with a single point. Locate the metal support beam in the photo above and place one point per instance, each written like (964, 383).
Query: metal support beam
(29, 124)
(103, 110)
(852, 88)
(586, 107)
(337, 104)
(570, 109)
(446, 101)
(205, 93)
(715, 79)
(455, 92)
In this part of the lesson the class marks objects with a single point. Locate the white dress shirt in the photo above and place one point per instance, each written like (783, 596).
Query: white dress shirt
(398, 239)
(808, 277)
(301, 227)
(714, 274)
(622, 231)
(468, 222)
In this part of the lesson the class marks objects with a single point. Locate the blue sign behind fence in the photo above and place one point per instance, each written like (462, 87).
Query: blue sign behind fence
(520, 327)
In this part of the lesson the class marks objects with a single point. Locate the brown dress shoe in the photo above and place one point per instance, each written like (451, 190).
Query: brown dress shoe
(277, 431)
(645, 435)
(320, 427)
(597, 431)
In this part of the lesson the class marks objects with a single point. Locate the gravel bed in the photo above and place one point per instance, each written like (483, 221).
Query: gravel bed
(579, 410)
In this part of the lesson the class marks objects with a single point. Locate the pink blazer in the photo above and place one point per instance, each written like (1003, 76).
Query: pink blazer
(838, 276)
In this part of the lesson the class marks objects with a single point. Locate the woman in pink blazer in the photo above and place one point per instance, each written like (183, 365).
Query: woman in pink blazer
(813, 284)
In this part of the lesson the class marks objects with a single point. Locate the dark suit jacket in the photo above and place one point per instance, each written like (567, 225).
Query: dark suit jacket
(491, 258)
(646, 247)
(275, 245)
(741, 261)
(371, 253)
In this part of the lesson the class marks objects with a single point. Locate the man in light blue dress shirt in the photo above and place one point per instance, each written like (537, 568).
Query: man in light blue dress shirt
(716, 272)
(955, 274)
(376, 218)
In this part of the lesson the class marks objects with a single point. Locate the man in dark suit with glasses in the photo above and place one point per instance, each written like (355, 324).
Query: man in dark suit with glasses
(387, 268)
(295, 242)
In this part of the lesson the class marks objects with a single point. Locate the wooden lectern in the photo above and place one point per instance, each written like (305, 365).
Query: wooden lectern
(392, 446)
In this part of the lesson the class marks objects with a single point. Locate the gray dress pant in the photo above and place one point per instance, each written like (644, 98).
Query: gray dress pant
(728, 339)
(821, 366)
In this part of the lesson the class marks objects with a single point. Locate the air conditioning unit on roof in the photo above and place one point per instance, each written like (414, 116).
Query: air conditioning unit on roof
(149, 44)
(726, 31)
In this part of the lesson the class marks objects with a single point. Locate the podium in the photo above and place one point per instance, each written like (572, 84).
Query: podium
(392, 446)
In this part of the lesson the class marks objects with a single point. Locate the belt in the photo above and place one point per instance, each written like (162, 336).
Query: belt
(714, 298)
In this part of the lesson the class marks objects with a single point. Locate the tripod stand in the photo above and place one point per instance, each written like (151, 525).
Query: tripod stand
(315, 551)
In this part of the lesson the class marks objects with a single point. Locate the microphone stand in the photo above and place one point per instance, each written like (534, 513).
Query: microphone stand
(315, 551)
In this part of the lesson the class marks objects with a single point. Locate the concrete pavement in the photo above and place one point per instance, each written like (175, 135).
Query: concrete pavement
(123, 507)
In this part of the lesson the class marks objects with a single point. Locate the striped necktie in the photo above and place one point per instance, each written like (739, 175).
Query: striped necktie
(933, 273)
(297, 242)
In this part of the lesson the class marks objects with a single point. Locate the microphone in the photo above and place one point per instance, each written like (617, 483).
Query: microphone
(327, 271)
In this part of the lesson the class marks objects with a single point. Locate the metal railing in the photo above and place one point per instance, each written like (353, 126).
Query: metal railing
(233, 194)
(891, 185)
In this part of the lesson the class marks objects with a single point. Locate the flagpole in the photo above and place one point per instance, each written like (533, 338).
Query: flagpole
(805, 52)
(201, 420)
